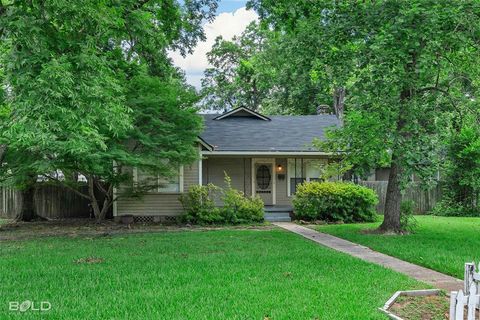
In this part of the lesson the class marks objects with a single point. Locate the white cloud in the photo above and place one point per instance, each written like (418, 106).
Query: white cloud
(227, 25)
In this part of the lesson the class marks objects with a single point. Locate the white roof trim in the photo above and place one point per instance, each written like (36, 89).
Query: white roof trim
(232, 112)
(205, 144)
(267, 153)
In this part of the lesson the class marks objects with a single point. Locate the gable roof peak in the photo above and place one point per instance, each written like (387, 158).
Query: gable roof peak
(242, 112)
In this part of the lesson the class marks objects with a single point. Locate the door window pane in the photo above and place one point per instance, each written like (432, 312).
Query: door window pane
(263, 177)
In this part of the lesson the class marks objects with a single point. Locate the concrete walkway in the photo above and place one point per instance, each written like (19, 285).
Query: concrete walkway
(434, 278)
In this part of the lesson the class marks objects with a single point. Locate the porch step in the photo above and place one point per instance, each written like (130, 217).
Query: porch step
(277, 216)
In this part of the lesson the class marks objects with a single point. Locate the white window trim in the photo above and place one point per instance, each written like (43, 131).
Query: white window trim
(180, 181)
(289, 176)
(200, 166)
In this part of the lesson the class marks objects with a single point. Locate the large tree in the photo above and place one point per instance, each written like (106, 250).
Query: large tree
(264, 70)
(233, 80)
(88, 84)
(405, 65)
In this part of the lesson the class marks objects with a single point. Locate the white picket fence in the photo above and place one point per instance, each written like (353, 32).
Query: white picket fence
(470, 299)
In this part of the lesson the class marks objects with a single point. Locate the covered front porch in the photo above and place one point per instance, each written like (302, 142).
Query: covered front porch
(271, 177)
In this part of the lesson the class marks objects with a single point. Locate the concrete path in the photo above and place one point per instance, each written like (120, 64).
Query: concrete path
(434, 278)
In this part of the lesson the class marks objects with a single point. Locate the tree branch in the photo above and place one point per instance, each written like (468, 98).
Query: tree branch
(67, 186)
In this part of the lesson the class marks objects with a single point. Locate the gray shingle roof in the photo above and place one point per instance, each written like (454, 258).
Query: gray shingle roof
(282, 133)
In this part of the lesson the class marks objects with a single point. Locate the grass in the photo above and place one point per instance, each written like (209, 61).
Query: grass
(223, 274)
(440, 243)
(421, 308)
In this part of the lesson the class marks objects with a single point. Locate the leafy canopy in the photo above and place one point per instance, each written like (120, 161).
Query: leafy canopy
(88, 84)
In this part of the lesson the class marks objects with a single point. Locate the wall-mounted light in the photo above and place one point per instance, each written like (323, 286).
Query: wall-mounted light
(279, 168)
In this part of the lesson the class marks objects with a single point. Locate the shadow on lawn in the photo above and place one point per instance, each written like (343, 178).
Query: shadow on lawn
(88, 228)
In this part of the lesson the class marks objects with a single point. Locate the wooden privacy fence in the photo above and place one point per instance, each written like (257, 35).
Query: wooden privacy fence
(51, 201)
(469, 298)
(424, 200)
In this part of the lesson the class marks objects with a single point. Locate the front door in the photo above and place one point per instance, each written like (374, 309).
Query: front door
(263, 181)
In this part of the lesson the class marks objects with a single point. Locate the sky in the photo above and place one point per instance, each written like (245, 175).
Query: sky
(232, 18)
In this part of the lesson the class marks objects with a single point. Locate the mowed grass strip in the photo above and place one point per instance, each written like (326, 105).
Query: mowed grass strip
(440, 243)
(226, 274)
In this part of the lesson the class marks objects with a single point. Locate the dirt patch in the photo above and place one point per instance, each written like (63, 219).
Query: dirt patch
(89, 260)
(422, 308)
(88, 228)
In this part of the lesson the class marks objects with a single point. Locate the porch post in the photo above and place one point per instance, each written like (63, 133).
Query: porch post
(274, 186)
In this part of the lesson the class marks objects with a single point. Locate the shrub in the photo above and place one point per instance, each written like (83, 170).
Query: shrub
(200, 207)
(449, 208)
(238, 208)
(407, 218)
(335, 201)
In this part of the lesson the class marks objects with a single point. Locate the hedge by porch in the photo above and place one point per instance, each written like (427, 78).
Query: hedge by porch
(335, 201)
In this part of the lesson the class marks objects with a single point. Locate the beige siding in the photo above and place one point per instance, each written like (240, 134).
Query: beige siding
(238, 169)
(190, 175)
(162, 204)
(213, 168)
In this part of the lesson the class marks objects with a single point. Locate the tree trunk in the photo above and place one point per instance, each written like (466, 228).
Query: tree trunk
(93, 198)
(106, 205)
(393, 200)
(339, 102)
(28, 212)
(391, 218)
(99, 213)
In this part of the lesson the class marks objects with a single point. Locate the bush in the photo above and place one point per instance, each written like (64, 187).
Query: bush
(335, 201)
(238, 208)
(449, 208)
(200, 207)
(407, 218)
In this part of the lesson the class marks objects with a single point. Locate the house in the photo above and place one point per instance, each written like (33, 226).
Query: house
(263, 155)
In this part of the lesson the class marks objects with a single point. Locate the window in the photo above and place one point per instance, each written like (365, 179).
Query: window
(314, 169)
(301, 170)
(159, 184)
(263, 177)
(295, 174)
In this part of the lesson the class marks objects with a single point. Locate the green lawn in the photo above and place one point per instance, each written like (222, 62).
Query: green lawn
(439, 243)
(223, 274)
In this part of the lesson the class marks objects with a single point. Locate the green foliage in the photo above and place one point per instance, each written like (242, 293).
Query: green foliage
(438, 243)
(266, 70)
(199, 205)
(209, 274)
(335, 169)
(461, 186)
(449, 208)
(237, 208)
(87, 84)
(407, 219)
(406, 68)
(335, 201)
(233, 80)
